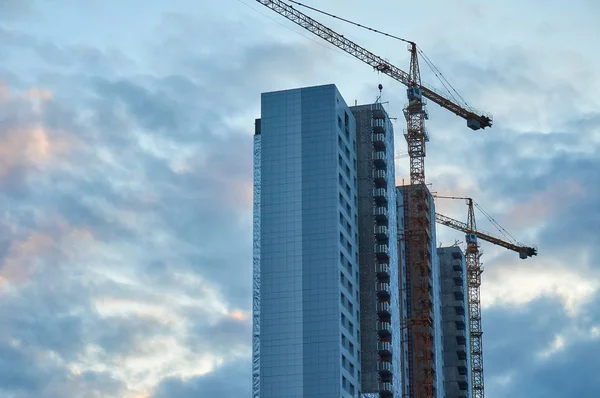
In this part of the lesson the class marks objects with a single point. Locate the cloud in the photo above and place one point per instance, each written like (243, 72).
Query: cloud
(510, 285)
(232, 380)
(126, 175)
(142, 166)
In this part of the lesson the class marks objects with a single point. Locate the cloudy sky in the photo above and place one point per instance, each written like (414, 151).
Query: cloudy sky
(126, 182)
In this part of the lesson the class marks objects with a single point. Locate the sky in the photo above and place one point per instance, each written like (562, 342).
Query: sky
(126, 182)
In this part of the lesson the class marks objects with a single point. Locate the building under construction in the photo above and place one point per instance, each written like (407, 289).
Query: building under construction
(333, 289)
(349, 296)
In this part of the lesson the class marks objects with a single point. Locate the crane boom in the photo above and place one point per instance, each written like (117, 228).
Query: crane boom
(474, 119)
(461, 226)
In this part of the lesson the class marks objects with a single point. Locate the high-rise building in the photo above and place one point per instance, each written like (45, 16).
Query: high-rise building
(378, 253)
(413, 369)
(332, 300)
(306, 275)
(454, 322)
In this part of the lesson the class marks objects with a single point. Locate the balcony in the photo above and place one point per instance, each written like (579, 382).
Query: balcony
(380, 213)
(383, 271)
(378, 111)
(383, 290)
(381, 231)
(461, 351)
(378, 141)
(462, 368)
(380, 177)
(379, 125)
(384, 308)
(380, 159)
(380, 194)
(384, 348)
(458, 289)
(384, 369)
(384, 329)
(458, 295)
(381, 251)
(457, 274)
(385, 390)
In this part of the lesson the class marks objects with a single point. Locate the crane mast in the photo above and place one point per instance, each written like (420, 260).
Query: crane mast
(474, 271)
(420, 326)
(419, 269)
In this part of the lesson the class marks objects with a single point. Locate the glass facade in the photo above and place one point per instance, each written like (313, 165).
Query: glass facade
(307, 289)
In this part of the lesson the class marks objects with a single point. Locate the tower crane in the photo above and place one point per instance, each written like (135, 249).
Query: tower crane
(474, 271)
(420, 328)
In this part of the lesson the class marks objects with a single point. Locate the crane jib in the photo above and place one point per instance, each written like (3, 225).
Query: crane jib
(474, 120)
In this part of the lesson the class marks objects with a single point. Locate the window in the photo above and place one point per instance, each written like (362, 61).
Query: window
(339, 123)
(351, 348)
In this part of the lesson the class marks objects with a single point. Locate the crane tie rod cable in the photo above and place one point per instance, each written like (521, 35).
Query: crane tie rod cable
(350, 22)
(431, 65)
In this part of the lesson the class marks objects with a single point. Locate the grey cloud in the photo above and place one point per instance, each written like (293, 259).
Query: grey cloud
(228, 381)
(515, 338)
(196, 221)
(15, 8)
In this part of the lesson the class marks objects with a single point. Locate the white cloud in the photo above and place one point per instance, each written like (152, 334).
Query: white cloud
(557, 345)
(510, 285)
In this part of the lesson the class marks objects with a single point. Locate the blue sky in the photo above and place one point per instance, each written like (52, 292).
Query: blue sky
(126, 182)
